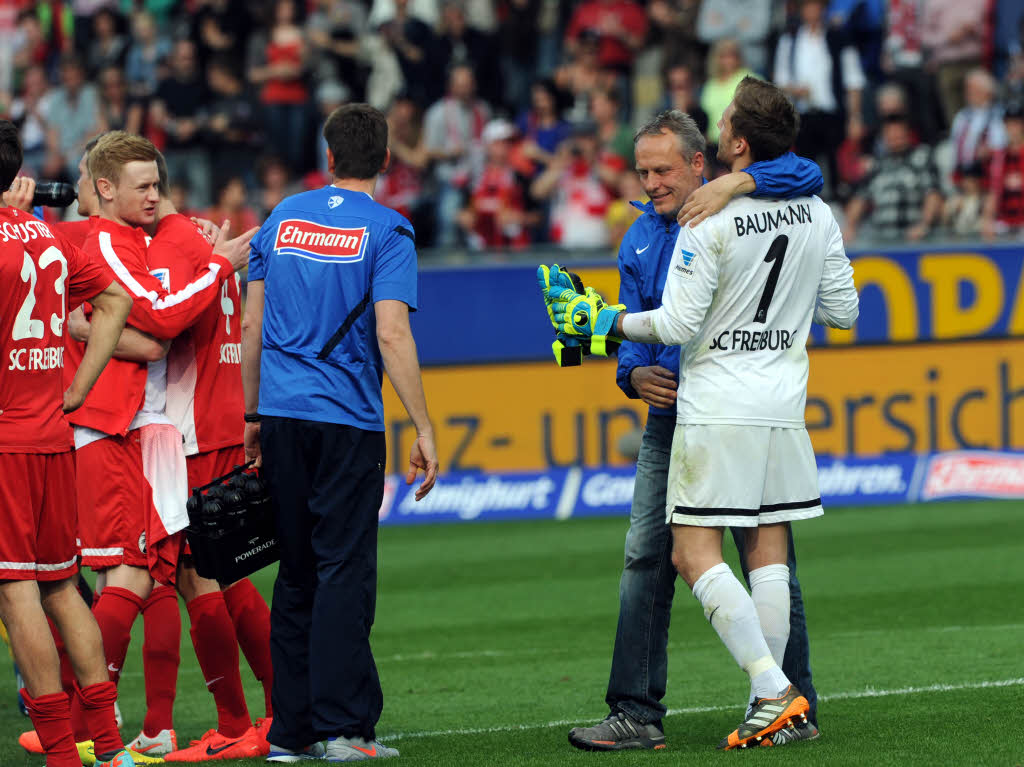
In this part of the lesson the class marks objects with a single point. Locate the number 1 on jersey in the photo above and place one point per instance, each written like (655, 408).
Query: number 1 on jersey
(776, 253)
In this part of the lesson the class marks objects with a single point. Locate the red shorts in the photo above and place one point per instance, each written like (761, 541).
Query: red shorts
(130, 490)
(37, 515)
(204, 467)
(112, 498)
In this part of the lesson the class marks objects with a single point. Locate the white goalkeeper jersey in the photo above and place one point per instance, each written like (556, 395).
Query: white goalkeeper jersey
(742, 290)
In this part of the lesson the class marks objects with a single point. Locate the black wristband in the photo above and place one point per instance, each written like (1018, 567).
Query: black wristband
(252, 417)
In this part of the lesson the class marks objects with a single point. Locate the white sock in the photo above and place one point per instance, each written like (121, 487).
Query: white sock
(732, 614)
(769, 588)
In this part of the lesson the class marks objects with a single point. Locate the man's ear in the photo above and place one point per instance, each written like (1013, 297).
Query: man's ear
(330, 161)
(105, 189)
(698, 162)
(387, 161)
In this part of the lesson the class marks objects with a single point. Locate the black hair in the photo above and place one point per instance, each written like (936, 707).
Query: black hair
(357, 135)
(10, 154)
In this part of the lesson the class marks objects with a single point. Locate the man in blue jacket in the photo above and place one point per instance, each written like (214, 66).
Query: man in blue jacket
(670, 161)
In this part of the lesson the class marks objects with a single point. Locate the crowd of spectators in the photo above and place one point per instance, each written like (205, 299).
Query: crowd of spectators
(511, 120)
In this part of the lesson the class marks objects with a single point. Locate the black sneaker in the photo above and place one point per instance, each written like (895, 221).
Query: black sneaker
(617, 732)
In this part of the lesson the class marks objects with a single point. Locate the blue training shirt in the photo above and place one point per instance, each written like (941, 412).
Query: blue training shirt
(325, 257)
(646, 252)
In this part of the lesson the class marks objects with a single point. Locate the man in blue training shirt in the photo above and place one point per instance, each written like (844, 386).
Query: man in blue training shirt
(332, 279)
(670, 160)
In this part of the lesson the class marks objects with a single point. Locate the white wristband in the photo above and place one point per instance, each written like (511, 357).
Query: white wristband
(640, 327)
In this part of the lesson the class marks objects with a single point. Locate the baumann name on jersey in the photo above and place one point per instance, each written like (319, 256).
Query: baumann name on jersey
(317, 242)
(769, 220)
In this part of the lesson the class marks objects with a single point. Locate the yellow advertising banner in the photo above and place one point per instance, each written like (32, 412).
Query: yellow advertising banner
(862, 401)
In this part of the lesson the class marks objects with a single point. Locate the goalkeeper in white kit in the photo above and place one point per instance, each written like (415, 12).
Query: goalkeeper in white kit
(742, 291)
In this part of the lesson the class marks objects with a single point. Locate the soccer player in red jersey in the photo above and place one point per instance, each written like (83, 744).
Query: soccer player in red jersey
(42, 277)
(126, 445)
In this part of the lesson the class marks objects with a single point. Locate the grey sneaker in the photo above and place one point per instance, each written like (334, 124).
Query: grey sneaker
(792, 734)
(357, 749)
(281, 754)
(618, 731)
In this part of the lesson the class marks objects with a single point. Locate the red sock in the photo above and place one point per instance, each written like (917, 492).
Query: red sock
(251, 616)
(51, 717)
(213, 636)
(97, 701)
(160, 658)
(115, 613)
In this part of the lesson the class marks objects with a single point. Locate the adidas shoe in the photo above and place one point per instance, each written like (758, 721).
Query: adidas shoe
(617, 732)
(767, 716)
(792, 734)
(357, 750)
(214, 747)
(164, 742)
(286, 755)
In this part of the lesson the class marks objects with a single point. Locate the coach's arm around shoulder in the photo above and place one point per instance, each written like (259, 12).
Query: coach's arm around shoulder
(110, 309)
(398, 351)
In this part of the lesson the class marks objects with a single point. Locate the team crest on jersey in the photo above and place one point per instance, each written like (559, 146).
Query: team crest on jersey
(684, 267)
(316, 242)
(164, 275)
(335, 201)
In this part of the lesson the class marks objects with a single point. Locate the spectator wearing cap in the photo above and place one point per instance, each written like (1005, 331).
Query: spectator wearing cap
(496, 216)
(577, 195)
(1004, 205)
(452, 135)
(825, 80)
(900, 197)
(977, 129)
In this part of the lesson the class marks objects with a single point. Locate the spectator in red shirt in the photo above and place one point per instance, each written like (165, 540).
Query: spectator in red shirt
(279, 72)
(496, 215)
(621, 26)
(1004, 208)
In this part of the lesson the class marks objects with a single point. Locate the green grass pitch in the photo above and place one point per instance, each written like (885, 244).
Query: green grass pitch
(493, 638)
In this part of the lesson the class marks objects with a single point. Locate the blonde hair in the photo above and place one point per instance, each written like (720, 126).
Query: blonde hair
(116, 149)
(725, 44)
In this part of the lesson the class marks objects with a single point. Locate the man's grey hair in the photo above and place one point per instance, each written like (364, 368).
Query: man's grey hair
(691, 140)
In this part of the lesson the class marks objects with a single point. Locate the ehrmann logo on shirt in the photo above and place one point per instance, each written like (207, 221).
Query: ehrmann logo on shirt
(316, 242)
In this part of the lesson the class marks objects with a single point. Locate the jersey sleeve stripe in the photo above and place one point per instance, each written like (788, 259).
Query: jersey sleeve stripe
(168, 301)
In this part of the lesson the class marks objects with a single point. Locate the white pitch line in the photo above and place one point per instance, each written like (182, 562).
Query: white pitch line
(848, 695)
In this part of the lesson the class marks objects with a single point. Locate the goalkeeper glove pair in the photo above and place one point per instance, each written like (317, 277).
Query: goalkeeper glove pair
(577, 313)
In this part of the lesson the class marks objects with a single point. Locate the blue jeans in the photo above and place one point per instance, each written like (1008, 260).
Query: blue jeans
(639, 672)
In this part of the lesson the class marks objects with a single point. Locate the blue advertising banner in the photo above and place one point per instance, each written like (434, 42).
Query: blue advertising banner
(578, 492)
(494, 313)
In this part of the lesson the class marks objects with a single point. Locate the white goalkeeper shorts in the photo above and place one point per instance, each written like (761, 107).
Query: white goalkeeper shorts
(741, 476)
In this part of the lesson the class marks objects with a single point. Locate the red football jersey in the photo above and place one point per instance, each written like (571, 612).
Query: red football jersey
(120, 390)
(75, 232)
(42, 277)
(204, 374)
